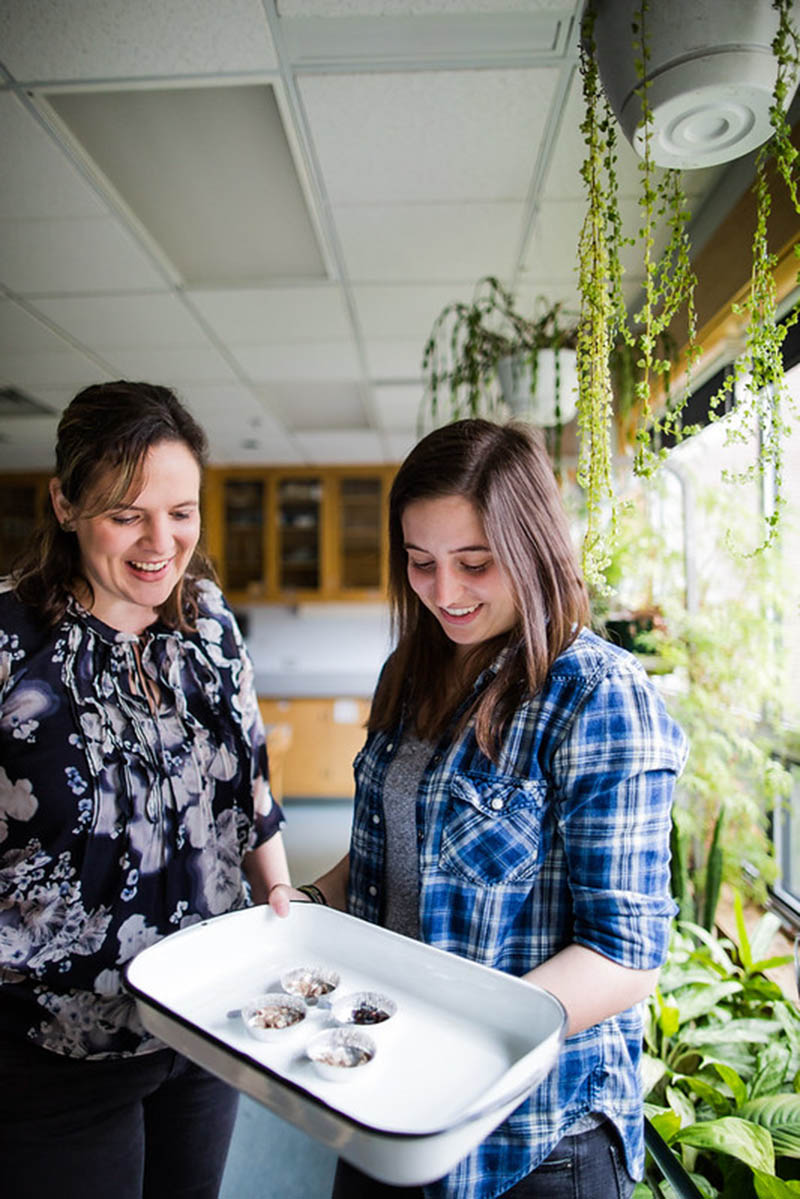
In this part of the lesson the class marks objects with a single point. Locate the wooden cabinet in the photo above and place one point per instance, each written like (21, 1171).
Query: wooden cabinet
(326, 734)
(22, 500)
(298, 534)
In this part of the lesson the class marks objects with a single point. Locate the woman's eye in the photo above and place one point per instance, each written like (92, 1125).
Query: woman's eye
(421, 565)
(123, 520)
(181, 515)
(475, 568)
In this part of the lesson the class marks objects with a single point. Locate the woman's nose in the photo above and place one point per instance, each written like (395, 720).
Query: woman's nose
(156, 534)
(446, 588)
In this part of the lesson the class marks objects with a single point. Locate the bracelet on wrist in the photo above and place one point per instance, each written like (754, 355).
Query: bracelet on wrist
(314, 894)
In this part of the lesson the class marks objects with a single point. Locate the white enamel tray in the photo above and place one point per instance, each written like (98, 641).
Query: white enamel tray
(466, 1045)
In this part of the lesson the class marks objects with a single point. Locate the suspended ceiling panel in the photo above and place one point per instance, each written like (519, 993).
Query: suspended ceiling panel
(208, 172)
(115, 39)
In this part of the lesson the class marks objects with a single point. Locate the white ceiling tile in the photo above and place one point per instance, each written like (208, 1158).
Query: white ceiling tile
(387, 8)
(405, 312)
(65, 257)
(51, 368)
(26, 443)
(226, 448)
(21, 332)
(395, 359)
(37, 180)
(307, 405)
(397, 406)
(438, 136)
(274, 315)
(110, 323)
(398, 445)
(341, 446)
(320, 361)
(429, 243)
(175, 367)
(108, 39)
(215, 401)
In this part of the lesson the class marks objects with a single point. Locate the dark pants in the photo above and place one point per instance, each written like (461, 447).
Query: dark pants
(152, 1127)
(590, 1165)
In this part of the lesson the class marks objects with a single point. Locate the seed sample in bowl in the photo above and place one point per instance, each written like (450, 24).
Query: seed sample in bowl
(271, 1016)
(364, 1008)
(311, 983)
(341, 1054)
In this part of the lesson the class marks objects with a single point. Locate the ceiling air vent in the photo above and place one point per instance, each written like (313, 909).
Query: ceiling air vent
(16, 403)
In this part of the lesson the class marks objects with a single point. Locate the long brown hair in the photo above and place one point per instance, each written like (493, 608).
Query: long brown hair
(101, 443)
(505, 472)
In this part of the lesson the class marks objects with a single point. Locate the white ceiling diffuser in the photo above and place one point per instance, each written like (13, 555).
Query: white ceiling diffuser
(711, 74)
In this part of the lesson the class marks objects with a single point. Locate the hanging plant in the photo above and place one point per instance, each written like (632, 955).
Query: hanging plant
(669, 281)
(637, 391)
(757, 383)
(602, 314)
(486, 358)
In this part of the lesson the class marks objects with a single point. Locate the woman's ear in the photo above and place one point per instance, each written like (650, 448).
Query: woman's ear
(61, 506)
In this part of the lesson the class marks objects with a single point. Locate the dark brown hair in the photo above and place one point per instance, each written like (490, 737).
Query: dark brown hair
(103, 437)
(505, 472)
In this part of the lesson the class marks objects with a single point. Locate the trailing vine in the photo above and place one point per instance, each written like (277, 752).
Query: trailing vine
(669, 280)
(757, 382)
(602, 314)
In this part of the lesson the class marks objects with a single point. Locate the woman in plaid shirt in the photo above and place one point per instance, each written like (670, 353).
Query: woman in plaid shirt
(513, 801)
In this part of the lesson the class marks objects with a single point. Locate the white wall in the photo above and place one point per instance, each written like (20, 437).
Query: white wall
(341, 646)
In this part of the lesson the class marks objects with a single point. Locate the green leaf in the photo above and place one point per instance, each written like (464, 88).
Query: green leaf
(772, 1067)
(748, 1030)
(769, 1187)
(763, 934)
(772, 963)
(780, 1116)
(669, 1019)
(652, 1071)
(699, 1001)
(744, 941)
(736, 1137)
(733, 1080)
(719, 1103)
(681, 1105)
(666, 1124)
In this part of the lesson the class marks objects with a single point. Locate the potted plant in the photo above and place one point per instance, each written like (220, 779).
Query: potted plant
(720, 1068)
(486, 357)
(668, 288)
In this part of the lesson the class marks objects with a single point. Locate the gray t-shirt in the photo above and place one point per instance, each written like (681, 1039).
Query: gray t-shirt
(401, 870)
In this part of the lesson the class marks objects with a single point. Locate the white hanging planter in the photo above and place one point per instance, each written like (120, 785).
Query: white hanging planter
(554, 398)
(711, 74)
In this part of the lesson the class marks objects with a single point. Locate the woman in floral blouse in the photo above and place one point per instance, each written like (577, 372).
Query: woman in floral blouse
(513, 801)
(134, 801)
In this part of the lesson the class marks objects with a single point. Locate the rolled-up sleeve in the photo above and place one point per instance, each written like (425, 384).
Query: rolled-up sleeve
(615, 772)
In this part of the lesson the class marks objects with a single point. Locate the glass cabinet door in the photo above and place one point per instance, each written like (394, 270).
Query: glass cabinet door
(244, 534)
(20, 505)
(299, 516)
(360, 520)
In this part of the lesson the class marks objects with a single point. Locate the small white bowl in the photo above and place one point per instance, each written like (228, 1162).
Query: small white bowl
(342, 1054)
(364, 1009)
(312, 983)
(259, 1013)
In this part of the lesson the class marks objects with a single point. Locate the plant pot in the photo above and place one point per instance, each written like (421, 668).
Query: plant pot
(711, 74)
(538, 405)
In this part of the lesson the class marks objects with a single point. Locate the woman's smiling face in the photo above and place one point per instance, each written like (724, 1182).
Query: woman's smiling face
(453, 572)
(134, 555)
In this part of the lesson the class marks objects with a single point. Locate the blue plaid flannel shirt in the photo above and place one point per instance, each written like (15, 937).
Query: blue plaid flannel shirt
(565, 839)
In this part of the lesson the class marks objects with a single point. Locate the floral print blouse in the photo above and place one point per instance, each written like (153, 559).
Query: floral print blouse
(133, 780)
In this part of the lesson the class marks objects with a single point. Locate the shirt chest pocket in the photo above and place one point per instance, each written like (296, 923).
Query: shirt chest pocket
(495, 829)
